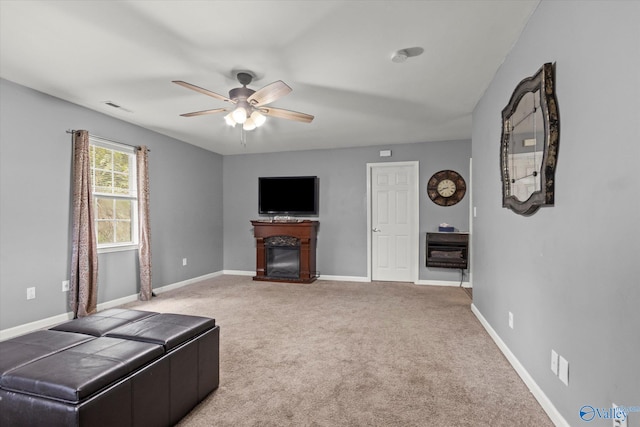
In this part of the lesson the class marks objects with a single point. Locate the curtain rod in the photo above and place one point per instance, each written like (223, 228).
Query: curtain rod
(71, 131)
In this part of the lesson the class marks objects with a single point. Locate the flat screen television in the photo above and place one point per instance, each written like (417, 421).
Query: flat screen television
(288, 195)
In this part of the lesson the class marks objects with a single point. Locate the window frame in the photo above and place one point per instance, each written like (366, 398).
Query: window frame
(132, 196)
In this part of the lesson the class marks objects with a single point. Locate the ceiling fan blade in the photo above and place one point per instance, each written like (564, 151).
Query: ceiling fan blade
(269, 93)
(202, 113)
(201, 90)
(287, 114)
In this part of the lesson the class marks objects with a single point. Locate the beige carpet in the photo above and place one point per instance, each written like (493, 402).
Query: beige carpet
(350, 354)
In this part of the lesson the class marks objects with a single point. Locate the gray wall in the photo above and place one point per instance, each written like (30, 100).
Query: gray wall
(569, 273)
(35, 180)
(342, 236)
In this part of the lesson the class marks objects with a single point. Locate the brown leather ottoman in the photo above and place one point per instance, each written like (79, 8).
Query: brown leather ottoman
(194, 363)
(134, 369)
(88, 384)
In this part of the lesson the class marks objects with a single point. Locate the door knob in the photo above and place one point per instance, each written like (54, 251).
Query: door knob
(376, 230)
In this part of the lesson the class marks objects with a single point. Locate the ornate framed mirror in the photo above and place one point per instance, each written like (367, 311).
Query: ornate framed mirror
(529, 143)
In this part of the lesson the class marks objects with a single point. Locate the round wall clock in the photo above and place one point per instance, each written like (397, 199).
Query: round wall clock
(446, 188)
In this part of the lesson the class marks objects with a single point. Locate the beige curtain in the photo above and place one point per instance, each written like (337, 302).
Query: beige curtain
(144, 229)
(84, 258)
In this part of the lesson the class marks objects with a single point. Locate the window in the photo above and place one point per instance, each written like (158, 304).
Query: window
(115, 195)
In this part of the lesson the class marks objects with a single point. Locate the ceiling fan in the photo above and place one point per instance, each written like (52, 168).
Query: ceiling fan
(250, 106)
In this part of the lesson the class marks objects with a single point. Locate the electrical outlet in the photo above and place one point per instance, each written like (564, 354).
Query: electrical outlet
(184, 262)
(619, 416)
(31, 293)
(511, 320)
(554, 362)
(65, 286)
(563, 370)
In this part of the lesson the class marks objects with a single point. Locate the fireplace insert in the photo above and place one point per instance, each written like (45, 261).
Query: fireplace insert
(282, 257)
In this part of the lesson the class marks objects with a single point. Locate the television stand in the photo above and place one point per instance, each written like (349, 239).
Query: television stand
(286, 251)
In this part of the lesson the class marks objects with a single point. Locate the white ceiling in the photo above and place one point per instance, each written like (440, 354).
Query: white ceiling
(335, 55)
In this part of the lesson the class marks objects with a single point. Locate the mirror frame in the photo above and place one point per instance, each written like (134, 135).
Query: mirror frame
(543, 81)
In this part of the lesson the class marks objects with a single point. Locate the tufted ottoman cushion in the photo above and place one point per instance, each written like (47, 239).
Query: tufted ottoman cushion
(168, 330)
(22, 350)
(78, 372)
(102, 322)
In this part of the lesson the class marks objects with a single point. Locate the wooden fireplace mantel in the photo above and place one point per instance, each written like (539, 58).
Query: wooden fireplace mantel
(305, 231)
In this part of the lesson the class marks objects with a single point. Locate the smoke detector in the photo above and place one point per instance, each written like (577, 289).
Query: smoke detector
(402, 54)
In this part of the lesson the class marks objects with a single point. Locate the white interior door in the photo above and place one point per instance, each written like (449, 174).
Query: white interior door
(393, 220)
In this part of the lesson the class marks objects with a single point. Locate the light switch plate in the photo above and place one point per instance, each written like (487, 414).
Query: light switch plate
(563, 371)
(554, 362)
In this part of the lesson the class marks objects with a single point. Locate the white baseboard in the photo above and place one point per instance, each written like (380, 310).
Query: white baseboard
(34, 326)
(344, 278)
(537, 392)
(442, 283)
(59, 318)
(357, 279)
(239, 272)
(186, 282)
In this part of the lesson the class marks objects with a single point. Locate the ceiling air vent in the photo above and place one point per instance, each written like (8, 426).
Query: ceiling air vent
(119, 107)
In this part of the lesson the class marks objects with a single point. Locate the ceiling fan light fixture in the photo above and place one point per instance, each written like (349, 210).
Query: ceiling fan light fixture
(258, 118)
(249, 124)
(239, 115)
(229, 119)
